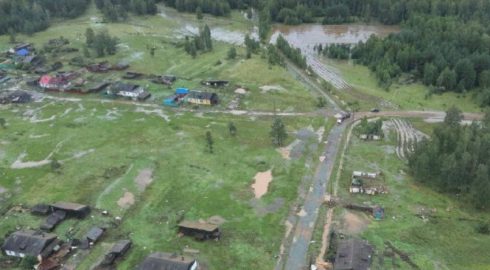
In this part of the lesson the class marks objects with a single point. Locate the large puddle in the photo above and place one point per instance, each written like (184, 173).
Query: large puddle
(261, 185)
(218, 33)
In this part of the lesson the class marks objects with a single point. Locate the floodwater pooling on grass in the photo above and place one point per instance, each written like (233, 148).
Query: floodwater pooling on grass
(262, 181)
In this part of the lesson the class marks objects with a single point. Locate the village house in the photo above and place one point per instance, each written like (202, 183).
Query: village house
(117, 251)
(198, 230)
(168, 261)
(353, 254)
(215, 83)
(132, 91)
(72, 209)
(202, 98)
(30, 243)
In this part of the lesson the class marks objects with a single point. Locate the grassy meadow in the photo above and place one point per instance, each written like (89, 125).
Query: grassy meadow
(103, 148)
(413, 96)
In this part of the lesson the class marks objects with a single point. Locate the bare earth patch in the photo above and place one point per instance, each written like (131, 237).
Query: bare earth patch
(262, 180)
(144, 178)
(126, 201)
(218, 220)
(240, 91)
(354, 223)
(2, 190)
(266, 88)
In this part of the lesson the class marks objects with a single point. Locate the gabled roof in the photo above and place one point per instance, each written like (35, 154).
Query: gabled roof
(121, 246)
(166, 261)
(119, 86)
(201, 95)
(353, 254)
(69, 206)
(28, 242)
(208, 227)
(94, 234)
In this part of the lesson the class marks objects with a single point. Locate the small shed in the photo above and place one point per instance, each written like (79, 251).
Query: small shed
(118, 250)
(353, 254)
(72, 209)
(167, 261)
(199, 230)
(94, 234)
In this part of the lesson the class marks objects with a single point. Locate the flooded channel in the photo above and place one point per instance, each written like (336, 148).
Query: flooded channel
(307, 36)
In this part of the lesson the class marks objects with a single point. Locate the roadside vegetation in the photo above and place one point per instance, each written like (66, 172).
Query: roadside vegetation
(435, 230)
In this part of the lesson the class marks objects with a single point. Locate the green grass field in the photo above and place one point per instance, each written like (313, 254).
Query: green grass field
(120, 141)
(399, 96)
(447, 239)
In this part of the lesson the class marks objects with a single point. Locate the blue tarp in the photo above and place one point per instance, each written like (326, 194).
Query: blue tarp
(181, 91)
(22, 52)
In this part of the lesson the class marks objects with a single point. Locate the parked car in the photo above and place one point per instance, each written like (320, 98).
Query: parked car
(375, 110)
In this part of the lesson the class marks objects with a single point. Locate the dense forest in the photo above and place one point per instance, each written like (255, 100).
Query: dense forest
(214, 7)
(116, 10)
(456, 159)
(30, 16)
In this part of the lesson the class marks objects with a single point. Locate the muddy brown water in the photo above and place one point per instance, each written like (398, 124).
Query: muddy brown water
(308, 35)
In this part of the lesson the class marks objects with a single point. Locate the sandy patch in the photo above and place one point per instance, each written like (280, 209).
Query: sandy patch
(286, 151)
(144, 178)
(126, 201)
(240, 91)
(354, 223)
(158, 112)
(321, 158)
(267, 88)
(262, 180)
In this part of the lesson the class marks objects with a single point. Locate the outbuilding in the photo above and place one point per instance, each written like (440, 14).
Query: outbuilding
(71, 209)
(168, 261)
(199, 230)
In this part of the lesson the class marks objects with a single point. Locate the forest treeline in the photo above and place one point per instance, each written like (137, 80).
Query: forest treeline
(30, 16)
(456, 159)
(116, 10)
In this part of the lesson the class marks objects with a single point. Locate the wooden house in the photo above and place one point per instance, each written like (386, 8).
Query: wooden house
(199, 230)
(202, 98)
(71, 209)
(30, 243)
(168, 261)
(132, 91)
